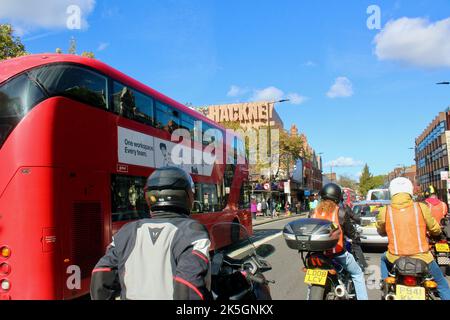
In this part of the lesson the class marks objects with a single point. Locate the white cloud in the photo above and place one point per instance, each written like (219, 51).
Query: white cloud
(268, 94)
(26, 15)
(310, 64)
(343, 162)
(342, 88)
(415, 41)
(275, 94)
(295, 98)
(102, 46)
(236, 91)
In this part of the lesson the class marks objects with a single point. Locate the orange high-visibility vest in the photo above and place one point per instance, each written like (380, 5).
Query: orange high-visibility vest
(333, 217)
(406, 230)
(439, 212)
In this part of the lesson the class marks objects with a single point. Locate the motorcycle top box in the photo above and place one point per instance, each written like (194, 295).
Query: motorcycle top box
(312, 235)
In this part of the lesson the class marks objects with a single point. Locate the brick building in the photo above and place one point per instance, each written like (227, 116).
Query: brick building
(432, 148)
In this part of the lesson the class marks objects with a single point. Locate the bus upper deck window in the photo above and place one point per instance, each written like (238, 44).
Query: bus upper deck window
(132, 104)
(17, 97)
(73, 82)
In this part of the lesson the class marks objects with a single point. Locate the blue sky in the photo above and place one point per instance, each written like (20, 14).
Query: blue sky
(196, 50)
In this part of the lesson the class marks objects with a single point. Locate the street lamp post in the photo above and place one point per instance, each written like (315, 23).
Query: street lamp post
(270, 137)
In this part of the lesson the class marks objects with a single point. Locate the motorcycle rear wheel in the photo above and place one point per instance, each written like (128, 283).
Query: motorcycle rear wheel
(317, 293)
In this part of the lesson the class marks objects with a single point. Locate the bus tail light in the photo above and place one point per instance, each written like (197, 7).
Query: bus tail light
(5, 269)
(5, 285)
(5, 252)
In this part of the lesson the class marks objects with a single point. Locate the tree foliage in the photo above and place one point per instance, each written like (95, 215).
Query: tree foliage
(367, 181)
(88, 54)
(73, 50)
(291, 148)
(10, 46)
(347, 182)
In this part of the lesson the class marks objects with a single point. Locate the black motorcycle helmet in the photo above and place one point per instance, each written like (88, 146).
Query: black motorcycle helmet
(430, 191)
(170, 189)
(331, 192)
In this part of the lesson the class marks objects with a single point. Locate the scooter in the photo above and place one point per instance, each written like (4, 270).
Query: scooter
(237, 270)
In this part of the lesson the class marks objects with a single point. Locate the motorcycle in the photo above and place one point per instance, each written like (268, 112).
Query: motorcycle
(352, 246)
(441, 250)
(409, 279)
(237, 270)
(326, 279)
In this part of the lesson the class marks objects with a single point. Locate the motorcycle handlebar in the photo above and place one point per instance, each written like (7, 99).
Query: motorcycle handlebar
(258, 279)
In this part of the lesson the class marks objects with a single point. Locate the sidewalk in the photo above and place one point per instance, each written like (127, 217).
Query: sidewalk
(263, 220)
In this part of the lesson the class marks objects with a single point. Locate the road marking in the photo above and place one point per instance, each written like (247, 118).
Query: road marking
(256, 245)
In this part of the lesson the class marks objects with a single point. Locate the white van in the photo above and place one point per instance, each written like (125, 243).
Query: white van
(378, 195)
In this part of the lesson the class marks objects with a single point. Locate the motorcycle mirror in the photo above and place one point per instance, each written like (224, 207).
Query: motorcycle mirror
(265, 250)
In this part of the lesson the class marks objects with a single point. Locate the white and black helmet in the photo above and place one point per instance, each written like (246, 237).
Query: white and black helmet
(170, 189)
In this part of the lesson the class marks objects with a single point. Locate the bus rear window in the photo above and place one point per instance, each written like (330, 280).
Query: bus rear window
(127, 198)
(17, 97)
(73, 82)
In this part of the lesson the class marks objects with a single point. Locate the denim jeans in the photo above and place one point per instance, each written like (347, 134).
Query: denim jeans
(443, 288)
(350, 265)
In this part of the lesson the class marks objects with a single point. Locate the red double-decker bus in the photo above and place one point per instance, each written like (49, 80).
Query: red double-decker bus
(77, 141)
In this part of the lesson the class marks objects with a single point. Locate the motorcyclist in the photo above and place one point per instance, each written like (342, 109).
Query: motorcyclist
(406, 223)
(438, 208)
(162, 258)
(328, 209)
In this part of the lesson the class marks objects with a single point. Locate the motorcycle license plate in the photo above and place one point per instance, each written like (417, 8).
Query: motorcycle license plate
(442, 247)
(410, 293)
(318, 277)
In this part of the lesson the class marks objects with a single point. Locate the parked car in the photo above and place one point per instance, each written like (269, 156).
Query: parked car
(368, 211)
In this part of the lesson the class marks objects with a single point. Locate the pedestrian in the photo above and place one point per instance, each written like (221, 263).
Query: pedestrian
(253, 208)
(287, 208)
(297, 208)
(278, 209)
(313, 204)
(273, 205)
(162, 258)
(258, 208)
(406, 224)
(264, 207)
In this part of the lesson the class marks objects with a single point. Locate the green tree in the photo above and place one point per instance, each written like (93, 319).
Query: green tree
(73, 46)
(379, 181)
(365, 181)
(88, 54)
(347, 182)
(10, 46)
